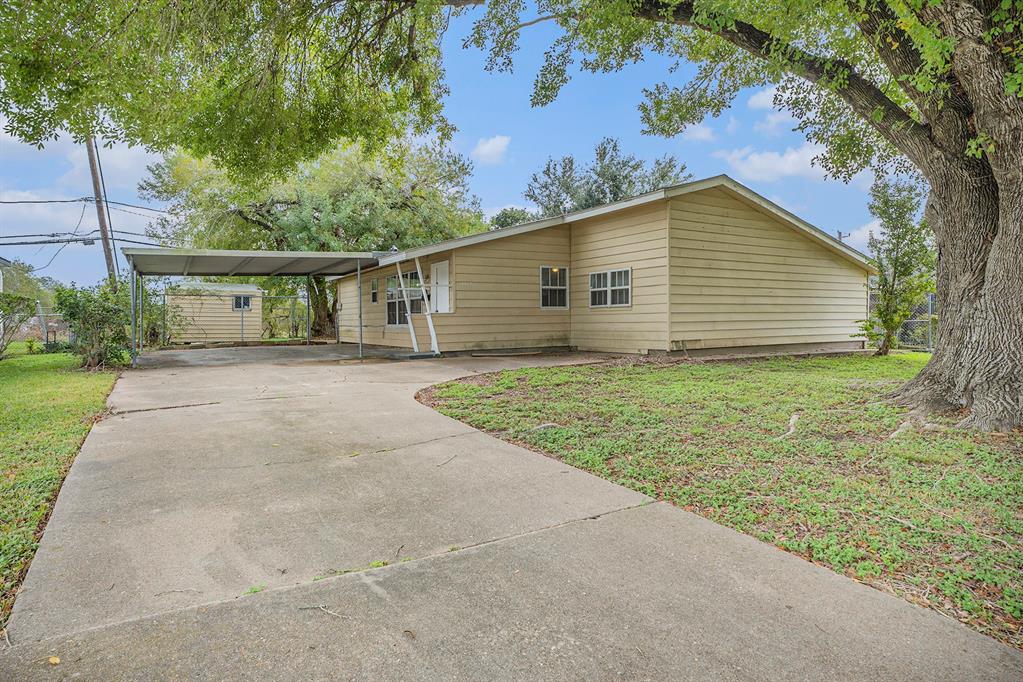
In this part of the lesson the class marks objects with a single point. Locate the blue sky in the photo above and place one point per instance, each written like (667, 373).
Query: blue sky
(497, 128)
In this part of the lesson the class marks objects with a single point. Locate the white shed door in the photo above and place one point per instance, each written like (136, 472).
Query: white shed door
(440, 299)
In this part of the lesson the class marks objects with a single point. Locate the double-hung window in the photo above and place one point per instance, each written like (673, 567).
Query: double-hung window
(611, 288)
(241, 303)
(553, 287)
(396, 302)
(374, 290)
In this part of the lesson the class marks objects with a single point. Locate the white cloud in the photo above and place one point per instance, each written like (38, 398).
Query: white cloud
(733, 126)
(768, 166)
(701, 132)
(772, 123)
(858, 237)
(123, 166)
(490, 150)
(762, 99)
(60, 171)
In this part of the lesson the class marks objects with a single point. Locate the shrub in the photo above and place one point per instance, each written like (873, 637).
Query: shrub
(14, 311)
(99, 320)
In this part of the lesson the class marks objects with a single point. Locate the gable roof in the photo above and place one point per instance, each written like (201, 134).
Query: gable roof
(718, 181)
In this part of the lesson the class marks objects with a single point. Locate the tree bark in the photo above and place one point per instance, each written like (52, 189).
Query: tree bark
(323, 310)
(978, 357)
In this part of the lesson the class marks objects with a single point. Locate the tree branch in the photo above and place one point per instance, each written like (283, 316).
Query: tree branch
(863, 96)
(949, 113)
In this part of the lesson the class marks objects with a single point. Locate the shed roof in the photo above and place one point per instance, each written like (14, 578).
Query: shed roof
(226, 287)
(215, 262)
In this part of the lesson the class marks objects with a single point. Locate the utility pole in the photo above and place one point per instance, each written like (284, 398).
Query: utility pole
(104, 229)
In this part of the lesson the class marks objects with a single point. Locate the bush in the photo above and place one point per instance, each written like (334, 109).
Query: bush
(99, 319)
(14, 311)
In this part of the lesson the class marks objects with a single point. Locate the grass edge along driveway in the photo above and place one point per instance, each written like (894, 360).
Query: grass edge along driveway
(47, 406)
(795, 452)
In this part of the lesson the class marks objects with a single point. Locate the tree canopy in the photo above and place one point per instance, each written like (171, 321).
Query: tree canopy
(349, 199)
(258, 86)
(564, 185)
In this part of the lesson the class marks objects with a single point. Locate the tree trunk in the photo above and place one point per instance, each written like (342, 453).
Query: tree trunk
(323, 311)
(978, 356)
(886, 345)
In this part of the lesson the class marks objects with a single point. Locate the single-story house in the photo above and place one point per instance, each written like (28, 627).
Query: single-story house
(208, 312)
(708, 264)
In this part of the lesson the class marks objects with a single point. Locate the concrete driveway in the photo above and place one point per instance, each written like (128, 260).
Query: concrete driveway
(224, 523)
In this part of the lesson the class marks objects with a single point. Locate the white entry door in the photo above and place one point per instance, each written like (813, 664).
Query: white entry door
(440, 298)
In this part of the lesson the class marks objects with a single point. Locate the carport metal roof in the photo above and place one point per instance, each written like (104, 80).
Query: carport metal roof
(216, 262)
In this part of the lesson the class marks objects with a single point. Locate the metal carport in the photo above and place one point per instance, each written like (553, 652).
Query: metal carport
(221, 263)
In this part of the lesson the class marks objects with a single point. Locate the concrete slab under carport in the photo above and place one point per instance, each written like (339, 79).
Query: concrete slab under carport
(171, 512)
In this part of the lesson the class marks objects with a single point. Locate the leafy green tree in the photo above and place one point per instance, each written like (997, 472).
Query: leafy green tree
(257, 86)
(905, 260)
(562, 186)
(511, 215)
(20, 279)
(403, 195)
(98, 318)
(15, 310)
(931, 84)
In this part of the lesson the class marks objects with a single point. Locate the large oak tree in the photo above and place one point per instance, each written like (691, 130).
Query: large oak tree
(934, 84)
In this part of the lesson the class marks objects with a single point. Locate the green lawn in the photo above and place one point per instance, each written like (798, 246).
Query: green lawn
(933, 515)
(47, 407)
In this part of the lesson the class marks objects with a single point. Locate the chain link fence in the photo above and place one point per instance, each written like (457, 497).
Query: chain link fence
(46, 326)
(920, 331)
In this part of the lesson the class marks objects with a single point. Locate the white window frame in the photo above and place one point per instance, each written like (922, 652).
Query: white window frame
(244, 299)
(393, 296)
(374, 290)
(608, 288)
(554, 288)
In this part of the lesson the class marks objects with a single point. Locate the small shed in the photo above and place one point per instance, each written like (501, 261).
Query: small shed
(212, 312)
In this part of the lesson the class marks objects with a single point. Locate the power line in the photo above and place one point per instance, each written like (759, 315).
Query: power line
(72, 240)
(85, 199)
(46, 201)
(63, 246)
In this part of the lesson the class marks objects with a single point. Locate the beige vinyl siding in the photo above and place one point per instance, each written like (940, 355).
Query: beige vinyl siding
(740, 277)
(637, 239)
(209, 318)
(494, 297)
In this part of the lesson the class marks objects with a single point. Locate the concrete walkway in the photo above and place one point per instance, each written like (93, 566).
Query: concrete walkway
(223, 522)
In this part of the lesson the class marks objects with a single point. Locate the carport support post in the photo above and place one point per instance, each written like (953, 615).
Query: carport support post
(131, 297)
(142, 312)
(358, 279)
(308, 316)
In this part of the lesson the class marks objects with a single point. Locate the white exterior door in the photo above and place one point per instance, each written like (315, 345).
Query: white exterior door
(440, 298)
